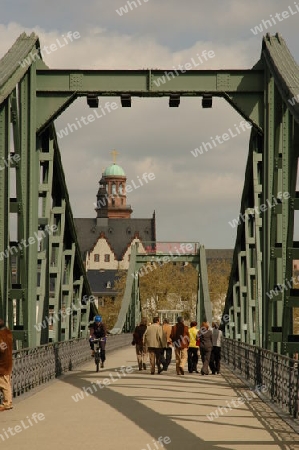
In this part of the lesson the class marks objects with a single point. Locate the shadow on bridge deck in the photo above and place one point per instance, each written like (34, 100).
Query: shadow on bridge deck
(135, 409)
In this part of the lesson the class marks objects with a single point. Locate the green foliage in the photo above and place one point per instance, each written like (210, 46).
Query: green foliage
(218, 275)
(111, 307)
(168, 286)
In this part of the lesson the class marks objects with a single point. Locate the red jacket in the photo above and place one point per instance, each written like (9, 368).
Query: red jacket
(5, 351)
(180, 336)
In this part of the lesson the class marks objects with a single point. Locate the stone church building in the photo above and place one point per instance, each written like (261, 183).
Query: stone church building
(106, 239)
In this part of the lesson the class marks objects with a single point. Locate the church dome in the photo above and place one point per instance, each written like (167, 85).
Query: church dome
(114, 170)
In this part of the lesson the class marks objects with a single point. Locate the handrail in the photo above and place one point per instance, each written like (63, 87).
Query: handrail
(33, 367)
(279, 374)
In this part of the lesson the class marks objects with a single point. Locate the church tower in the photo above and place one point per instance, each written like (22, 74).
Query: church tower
(111, 196)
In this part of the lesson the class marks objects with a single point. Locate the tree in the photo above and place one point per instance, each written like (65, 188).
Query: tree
(111, 306)
(109, 311)
(168, 286)
(218, 276)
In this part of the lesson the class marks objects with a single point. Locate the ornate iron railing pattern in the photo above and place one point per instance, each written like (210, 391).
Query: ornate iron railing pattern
(261, 367)
(35, 366)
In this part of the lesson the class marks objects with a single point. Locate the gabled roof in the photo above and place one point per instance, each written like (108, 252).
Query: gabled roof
(119, 233)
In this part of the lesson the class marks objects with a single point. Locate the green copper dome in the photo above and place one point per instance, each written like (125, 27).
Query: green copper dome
(114, 170)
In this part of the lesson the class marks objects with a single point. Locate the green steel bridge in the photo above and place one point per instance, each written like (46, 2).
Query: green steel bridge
(42, 268)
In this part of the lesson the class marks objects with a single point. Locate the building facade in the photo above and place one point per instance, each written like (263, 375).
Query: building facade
(106, 239)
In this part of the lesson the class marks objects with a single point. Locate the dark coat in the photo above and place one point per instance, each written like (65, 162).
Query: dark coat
(98, 331)
(5, 351)
(138, 334)
(206, 341)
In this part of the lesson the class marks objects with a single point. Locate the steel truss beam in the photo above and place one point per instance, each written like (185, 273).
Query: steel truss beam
(41, 270)
(261, 294)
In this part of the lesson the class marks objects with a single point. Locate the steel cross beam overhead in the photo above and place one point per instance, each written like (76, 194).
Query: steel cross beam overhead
(260, 300)
(242, 88)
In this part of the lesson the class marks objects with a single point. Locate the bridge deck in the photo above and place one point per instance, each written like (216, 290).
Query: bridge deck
(135, 409)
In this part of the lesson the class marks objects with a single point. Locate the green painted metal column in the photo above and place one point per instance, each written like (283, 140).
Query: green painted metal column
(4, 206)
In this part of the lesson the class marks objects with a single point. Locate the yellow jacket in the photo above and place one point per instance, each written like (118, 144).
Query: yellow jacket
(193, 333)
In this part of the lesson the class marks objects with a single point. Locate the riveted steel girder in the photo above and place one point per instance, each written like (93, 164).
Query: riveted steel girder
(43, 284)
(261, 297)
(57, 89)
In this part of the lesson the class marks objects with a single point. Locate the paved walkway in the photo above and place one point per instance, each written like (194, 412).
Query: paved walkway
(131, 410)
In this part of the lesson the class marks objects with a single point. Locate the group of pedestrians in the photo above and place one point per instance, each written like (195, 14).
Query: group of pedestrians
(155, 342)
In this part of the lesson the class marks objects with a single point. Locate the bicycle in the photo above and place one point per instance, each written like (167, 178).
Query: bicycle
(97, 352)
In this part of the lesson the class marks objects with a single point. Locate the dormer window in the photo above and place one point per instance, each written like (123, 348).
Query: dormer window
(108, 285)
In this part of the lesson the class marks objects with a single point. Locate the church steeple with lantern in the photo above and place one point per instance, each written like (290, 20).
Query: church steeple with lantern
(111, 196)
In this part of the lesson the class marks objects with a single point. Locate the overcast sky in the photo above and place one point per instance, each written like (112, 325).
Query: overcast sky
(194, 198)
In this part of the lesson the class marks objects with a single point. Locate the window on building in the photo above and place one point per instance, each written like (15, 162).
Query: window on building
(108, 285)
(107, 258)
(96, 257)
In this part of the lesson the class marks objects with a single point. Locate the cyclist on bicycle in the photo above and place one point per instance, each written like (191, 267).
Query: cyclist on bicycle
(98, 330)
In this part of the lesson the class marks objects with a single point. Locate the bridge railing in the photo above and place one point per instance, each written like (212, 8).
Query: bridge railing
(278, 375)
(33, 367)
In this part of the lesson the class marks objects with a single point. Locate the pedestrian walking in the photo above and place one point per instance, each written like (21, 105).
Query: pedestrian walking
(193, 348)
(216, 352)
(206, 346)
(180, 340)
(168, 349)
(155, 341)
(141, 350)
(6, 342)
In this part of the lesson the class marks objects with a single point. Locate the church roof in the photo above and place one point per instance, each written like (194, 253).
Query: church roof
(114, 170)
(118, 232)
